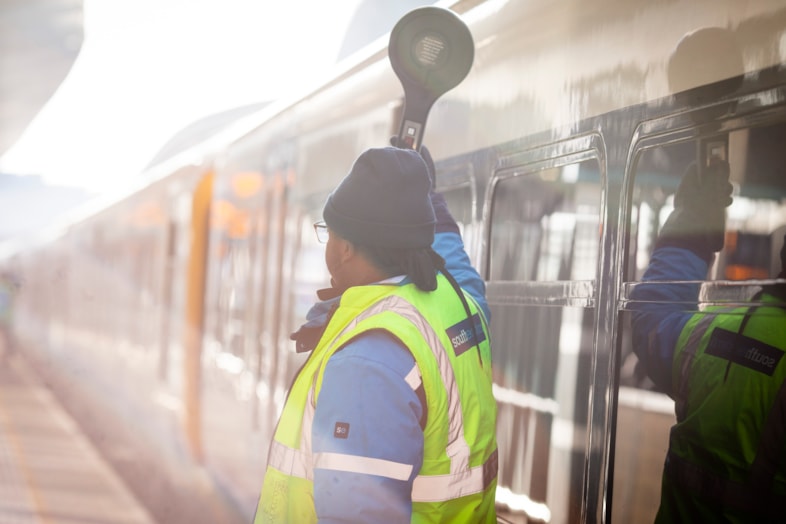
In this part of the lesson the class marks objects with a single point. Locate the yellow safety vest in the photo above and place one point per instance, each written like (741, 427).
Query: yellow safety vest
(457, 481)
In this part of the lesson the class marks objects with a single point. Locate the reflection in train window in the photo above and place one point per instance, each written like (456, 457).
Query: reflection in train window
(544, 243)
(755, 225)
(757, 161)
(546, 224)
(231, 247)
(462, 205)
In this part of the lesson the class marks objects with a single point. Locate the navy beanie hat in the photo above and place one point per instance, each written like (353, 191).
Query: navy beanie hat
(384, 201)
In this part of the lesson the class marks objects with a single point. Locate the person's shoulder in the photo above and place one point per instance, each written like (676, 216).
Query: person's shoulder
(676, 262)
(376, 348)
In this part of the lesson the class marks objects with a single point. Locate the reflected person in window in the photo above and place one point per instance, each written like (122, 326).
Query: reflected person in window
(723, 366)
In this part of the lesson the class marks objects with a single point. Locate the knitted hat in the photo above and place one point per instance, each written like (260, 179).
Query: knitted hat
(384, 201)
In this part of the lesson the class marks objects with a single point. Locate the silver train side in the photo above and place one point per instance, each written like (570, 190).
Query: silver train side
(173, 304)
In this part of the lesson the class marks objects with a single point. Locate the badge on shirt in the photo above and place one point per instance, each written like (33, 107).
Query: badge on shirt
(461, 334)
(745, 351)
(341, 430)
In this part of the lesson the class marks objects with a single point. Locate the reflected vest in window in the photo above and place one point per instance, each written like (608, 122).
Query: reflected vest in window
(727, 452)
(457, 481)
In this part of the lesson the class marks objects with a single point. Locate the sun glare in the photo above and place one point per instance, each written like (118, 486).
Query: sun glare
(148, 68)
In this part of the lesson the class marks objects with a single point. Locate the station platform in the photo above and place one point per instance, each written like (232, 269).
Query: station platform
(49, 471)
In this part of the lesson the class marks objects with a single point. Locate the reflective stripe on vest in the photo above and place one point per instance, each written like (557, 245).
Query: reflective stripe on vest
(296, 462)
(427, 488)
(364, 465)
(290, 461)
(436, 488)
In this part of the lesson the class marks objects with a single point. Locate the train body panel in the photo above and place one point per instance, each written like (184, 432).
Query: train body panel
(558, 156)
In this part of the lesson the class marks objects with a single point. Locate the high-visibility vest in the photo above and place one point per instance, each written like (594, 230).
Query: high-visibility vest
(457, 481)
(727, 451)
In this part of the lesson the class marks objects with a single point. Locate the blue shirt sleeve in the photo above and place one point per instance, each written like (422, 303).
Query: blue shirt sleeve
(366, 409)
(450, 247)
(660, 311)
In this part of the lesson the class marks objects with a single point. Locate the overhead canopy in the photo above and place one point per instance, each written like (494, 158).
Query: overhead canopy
(39, 42)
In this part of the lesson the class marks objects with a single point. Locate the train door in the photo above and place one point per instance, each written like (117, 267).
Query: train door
(752, 131)
(543, 218)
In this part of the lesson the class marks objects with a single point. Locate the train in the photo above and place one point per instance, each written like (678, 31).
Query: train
(171, 303)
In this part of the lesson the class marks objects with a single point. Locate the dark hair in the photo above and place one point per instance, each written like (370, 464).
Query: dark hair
(419, 264)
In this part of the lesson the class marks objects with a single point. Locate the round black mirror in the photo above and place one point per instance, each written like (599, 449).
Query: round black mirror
(431, 51)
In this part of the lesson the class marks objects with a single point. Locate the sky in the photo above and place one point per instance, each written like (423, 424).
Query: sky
(148, 68)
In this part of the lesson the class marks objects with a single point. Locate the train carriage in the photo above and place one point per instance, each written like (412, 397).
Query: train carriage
(559, 155)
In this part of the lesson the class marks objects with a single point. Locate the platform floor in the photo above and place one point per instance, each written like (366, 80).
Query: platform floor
(49, 471)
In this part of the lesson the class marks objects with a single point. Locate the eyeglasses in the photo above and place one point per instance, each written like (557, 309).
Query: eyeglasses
(321, 229)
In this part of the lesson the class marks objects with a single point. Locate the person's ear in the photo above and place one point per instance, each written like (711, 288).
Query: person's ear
(346, 250)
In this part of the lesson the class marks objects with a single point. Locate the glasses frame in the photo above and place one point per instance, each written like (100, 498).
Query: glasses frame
(321, 230)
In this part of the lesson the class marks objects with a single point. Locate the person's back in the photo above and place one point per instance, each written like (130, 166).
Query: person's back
(723, 367)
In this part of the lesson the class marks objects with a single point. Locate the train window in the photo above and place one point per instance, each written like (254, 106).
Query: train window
(755, 226)
(544, 238)
(545, 224)
(461, 203)
(457, 182)
(231, 245)
(756, 159)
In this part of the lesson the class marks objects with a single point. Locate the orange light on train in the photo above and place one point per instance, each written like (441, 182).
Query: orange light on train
(246, 183)
(222, 213)
(229, 218)
(239, 227)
